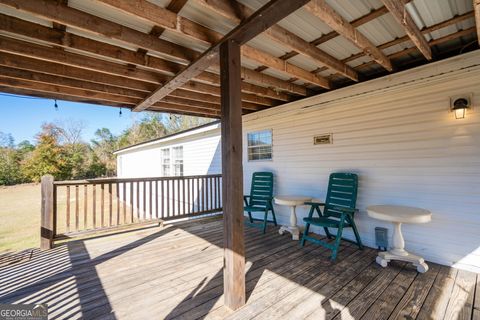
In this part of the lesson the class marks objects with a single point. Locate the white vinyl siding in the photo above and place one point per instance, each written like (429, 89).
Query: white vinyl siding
(396, 133)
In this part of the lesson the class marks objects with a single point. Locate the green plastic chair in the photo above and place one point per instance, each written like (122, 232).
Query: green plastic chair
(260, 199)
(338, 213)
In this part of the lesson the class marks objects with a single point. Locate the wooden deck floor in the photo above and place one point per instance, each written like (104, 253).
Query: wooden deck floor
(175, 272)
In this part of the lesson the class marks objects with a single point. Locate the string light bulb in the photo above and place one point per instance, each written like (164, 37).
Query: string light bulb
(56, 105)
(120, 113)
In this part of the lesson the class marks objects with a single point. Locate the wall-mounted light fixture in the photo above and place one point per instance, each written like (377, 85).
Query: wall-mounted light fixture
(460, 104)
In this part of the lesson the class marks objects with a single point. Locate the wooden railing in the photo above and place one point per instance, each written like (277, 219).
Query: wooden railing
(81, 206)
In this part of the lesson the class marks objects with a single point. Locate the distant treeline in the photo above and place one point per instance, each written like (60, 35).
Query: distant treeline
(59, 149)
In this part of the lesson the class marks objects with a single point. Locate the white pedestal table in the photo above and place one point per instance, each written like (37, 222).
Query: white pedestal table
(292, 202)
(398, 215)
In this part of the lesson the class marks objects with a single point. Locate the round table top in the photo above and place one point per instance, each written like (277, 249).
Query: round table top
(291, 200)
(399, 214)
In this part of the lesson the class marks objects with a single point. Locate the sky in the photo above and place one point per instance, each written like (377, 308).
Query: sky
(23, 116)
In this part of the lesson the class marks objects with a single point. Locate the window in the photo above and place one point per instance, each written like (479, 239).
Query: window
(165, 162)
(260, 145)
(178, 161)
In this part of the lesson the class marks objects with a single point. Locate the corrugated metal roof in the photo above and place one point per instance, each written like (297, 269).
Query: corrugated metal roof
(303, 24)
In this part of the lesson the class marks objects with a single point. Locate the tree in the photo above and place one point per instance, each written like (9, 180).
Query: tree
(10, 172)
(6, 140)
(176, 123)
(47, 158)
(103, 146)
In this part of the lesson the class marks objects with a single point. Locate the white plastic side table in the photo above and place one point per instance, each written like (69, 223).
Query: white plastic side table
(398, 215)
(292, 202)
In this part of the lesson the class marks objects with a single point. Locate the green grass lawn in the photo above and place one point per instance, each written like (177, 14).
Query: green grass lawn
(19, 217)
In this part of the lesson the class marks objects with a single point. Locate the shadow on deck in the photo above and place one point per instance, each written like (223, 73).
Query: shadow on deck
(175, 272)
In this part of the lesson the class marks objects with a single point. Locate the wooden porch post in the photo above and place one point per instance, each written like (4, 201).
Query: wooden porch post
(232, 170)
(47, 218)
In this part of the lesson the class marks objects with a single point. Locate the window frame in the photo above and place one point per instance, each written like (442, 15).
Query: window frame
(251, 147)
(174, 162)
(162, 163)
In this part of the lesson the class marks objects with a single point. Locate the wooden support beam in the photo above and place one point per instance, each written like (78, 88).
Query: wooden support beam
(476, 8)
(438, 26)
(327, 14)
(261, 20)
(47, 213)
(236, 12)
(401, 15)
(232, 175)
(51, 10)
(68, 40)
(108, 99)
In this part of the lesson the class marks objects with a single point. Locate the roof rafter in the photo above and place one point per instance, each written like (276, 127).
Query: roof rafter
(54, 11)
(34, 51)
(328, 15)
(80, 93)
(261, 20)
(476, 8)
(401, 15)
(186, 27)
(65, 39)
(236, 12)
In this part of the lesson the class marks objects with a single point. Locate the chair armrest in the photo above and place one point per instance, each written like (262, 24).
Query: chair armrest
(345, 211)
(245, 200)
(312, 203)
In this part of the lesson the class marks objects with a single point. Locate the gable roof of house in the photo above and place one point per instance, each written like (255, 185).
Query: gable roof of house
(181, 134)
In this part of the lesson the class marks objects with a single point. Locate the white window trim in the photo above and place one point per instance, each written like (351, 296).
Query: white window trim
(271, 145)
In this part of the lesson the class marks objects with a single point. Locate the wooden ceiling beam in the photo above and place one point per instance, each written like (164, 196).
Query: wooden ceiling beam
(97, 96)
(476, 8)
(34, 51)
(186, 27)
(401, 15)
(414, 49)
(68, 40)
(231, 9)
(438, 26)
(51, 10)
(261, 20)
(193, 98)
(329, 16)
(44, 71)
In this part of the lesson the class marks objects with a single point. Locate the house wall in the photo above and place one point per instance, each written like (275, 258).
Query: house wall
(201, 155)
(396, 133)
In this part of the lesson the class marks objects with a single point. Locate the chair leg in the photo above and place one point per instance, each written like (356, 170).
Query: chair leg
(265, 221)
(250, 216)
(357, 235)
(274, 218)
(336, 245)
(329, 235)
(305, 233)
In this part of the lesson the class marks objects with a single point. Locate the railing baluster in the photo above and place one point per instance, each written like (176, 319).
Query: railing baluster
(132, 207)
(102, 205)
(168, 198)
(76, 208)
(110, 204)
(117, 191)
(163, 198)
(150, 195)
(124, 193)
(156, 199)
(94, 206)
(68, 210)
(85, 205)
(138, 201)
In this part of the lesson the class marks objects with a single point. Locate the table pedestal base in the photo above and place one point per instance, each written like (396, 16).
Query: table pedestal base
(384, 258)
(295, 231)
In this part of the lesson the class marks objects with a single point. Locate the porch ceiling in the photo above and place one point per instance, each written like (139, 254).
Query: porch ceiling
(117, 53)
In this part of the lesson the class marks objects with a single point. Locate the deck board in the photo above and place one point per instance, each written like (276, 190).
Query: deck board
(175, 272)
